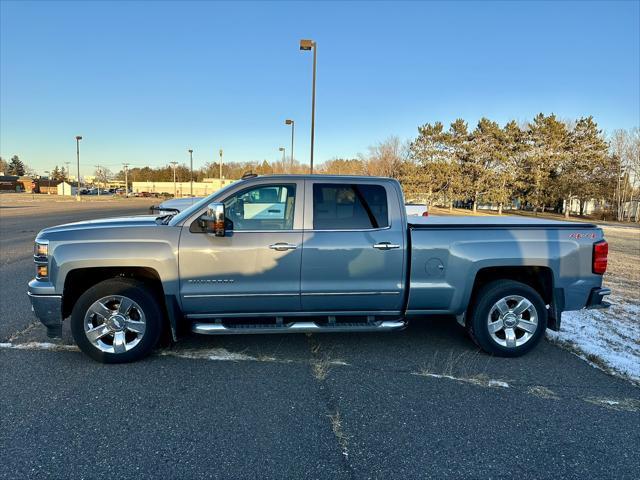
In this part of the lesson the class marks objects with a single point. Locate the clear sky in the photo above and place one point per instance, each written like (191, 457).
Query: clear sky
(145, 81)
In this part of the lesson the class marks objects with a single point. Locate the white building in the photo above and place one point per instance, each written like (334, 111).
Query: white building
(66, 189)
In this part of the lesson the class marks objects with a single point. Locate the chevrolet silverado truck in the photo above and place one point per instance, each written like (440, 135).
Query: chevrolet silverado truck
(289, 254)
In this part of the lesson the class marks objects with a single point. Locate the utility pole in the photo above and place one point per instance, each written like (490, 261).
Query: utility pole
(99, 172)
(220, 167)
(173, 166)
(126, 179)
(71, 192)
(78, 138)
(191, 160)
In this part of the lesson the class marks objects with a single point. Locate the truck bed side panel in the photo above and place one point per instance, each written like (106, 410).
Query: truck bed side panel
(445, 261)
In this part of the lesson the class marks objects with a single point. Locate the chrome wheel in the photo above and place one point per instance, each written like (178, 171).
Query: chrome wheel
(512, 321)
(114, 324)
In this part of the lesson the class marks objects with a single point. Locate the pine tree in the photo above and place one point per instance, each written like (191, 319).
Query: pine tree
(16, 167)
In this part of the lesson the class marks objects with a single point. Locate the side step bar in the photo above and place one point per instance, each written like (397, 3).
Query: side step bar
(297, 327)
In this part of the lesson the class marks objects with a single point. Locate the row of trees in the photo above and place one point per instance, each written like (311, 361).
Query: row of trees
(543, 164)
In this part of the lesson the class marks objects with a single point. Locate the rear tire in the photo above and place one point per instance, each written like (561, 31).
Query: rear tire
(507, 319)
(116, 321)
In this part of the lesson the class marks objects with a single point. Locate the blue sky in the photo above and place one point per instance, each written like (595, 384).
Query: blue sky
(144, 81)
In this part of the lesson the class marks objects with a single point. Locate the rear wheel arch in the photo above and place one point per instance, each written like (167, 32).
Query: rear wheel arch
(540, 278)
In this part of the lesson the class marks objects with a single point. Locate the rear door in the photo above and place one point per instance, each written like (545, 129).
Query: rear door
(354, 247)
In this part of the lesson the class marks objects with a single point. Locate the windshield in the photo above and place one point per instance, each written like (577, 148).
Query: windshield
(198, 205)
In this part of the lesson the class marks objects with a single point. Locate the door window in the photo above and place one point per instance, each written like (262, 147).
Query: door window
(267, 207)
(349, 207)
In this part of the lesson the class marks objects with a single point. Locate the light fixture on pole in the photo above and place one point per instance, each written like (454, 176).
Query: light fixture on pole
(282, 149)
(69, 177)
(126, 179)
(293, 126)
(191, 169)
(311, 45)
(99, 172)
(173, 166)
(221, 152)
(78, 138)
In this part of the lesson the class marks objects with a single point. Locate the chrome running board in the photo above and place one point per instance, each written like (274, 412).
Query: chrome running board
(298, 327)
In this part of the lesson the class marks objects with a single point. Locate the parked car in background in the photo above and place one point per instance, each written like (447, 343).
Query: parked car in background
(174, 205)
(417, 209)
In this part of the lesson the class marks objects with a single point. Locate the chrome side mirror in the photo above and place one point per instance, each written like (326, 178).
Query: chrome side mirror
(214, 219)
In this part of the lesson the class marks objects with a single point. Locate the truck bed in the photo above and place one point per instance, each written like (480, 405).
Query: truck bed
(492, 222)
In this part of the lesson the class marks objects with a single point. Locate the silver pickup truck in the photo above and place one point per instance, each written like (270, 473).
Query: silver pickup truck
(288, 254)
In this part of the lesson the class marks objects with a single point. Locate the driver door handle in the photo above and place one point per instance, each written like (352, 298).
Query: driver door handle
(386, 246)
(282, 247)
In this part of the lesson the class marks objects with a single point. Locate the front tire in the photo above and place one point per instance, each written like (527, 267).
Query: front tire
(116, 321)
(508, 318)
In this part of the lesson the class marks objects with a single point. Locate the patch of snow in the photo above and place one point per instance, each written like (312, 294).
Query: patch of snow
(40, 346)
(608, 339)
(219, 354)
(480, 380)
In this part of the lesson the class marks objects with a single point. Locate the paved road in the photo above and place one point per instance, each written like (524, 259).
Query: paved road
(422, 403)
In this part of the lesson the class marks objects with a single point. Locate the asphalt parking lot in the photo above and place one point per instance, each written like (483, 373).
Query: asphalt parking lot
(422, 403)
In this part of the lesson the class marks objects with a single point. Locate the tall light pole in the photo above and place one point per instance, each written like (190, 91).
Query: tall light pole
(78, 138)
(220, 152)
(293, 126)
(99, 172)
(173, 166)
(191, 160)
(309, 45)
(126, 179)
(282, 149)
(71, 192)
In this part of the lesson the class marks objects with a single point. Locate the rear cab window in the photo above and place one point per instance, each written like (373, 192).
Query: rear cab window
(349, 206)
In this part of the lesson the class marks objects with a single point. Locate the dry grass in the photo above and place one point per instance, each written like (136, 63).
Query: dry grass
(542, 392)
(341, 436)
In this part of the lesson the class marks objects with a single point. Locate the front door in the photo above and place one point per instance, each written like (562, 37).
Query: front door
(354, 247)
(255, 267)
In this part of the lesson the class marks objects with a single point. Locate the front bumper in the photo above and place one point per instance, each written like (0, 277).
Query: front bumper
(596, 298)
(48, 309)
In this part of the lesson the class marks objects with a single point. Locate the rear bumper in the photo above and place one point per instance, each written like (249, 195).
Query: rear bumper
(48, 309)
(596, 298)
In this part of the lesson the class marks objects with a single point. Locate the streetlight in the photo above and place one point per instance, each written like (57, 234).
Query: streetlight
(283, 157)
(293, 126)
(221, 152)
(78, 138)
(308, 45)
(173, 166)
(70, 186)
(191, 160)
(126, 179)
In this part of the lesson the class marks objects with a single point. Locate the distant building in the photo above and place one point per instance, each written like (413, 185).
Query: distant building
(67, 189)
(182, 189)
(10, 183)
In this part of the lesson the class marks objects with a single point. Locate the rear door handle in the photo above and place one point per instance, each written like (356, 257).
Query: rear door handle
(282, 247)
(386, 246)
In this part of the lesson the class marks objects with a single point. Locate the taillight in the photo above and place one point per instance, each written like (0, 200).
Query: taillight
(600, 252)
(425, 214)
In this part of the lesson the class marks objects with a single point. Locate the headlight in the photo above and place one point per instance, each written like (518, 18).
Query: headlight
(41, 250)
(41, 258)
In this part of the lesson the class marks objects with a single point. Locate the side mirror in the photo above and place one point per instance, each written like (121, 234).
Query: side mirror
(214, 219)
